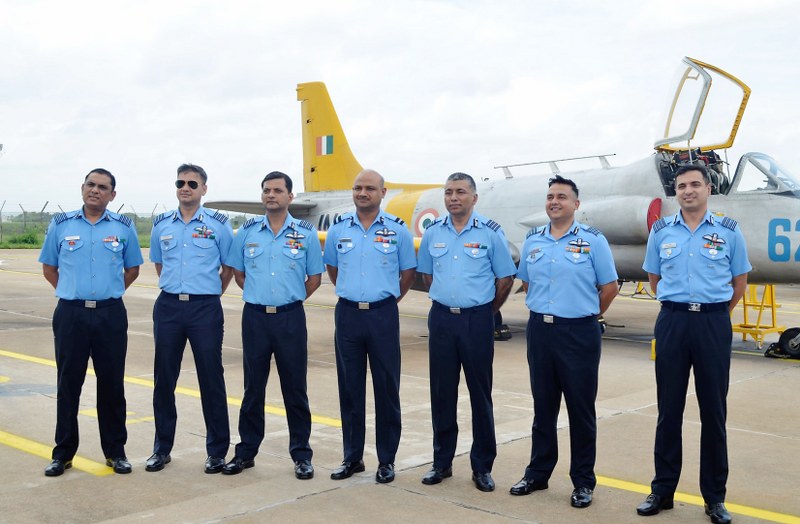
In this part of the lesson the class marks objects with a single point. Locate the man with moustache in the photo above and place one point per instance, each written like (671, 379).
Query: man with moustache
(466, 263)
(189, 247)
(697, 265)
(370, 259)
(277, 261)
(568, 274)
(91, 256)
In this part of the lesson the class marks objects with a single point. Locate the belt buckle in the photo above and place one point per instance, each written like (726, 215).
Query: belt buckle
(91, 304)
(455, 310)
(183, 297)
(695, 307)
(548, 319)
(270, 309)
(363, 305)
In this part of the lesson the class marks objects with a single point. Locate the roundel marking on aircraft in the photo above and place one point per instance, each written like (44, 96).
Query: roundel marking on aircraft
(653, 212)
(424, 219)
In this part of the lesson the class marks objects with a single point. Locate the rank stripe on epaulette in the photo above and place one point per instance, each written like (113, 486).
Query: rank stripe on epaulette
(219, 217)
(491, 224)
(593, 230)
(659, 224)
(338, 219)
(125, 220)
(436, 221)
(162, 216)
(729, 223)
(250, 222)
(306, 224)
(60, 217)
(399, 220)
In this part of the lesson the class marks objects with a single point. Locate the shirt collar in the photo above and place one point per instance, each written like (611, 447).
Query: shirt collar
(708, 217)
(80, 214)
(378, 220)
(574, 229)
(474, 221)
(289, 222)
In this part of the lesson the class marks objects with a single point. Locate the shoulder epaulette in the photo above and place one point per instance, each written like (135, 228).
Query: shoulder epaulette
(250, 222)
(729, 223)
(60, 217)
(399, 220)
(162, 216)
(306, 224)
(659, 224)
(339, 218)
(491, 224)
(123, 219)
(591, 229)
(534, 231)
(219, 217)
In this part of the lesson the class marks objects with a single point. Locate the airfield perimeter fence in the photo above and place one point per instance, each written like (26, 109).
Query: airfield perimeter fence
(21, 229)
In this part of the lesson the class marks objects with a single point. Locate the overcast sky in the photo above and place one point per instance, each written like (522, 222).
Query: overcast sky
(422, 88)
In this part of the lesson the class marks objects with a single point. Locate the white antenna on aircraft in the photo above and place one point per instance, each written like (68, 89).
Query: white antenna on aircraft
(554, 167)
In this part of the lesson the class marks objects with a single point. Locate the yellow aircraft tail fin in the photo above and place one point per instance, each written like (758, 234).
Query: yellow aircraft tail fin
(328, 163)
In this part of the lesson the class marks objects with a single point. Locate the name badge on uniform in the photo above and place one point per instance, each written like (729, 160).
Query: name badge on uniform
(439, 245)
(345, 242)
(165, 237)
(669, 245)
(73, 237)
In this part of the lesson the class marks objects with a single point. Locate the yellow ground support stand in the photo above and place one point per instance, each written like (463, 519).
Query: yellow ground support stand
(753, 305)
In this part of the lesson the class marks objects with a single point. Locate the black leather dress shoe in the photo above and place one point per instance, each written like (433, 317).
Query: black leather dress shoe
(346, 470)
(237, 465)
(653, 504)
(120, 465)
(718, 513)
(436, 475)
(527, 486)
(303, 469)
(483, 481)
(57, 467)
(214, 465)
(157, 462)
(581, 498)
(385, 473)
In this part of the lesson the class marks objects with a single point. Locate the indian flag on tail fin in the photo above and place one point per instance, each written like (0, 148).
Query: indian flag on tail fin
(324, 145)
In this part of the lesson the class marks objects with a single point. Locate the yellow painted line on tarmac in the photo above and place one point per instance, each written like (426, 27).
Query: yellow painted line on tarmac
(182, 390)
(45, 451)
(745, 511)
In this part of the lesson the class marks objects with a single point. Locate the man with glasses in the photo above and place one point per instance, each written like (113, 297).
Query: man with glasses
(277, 261)
(189, 247)
(370, 259)
(91, 256)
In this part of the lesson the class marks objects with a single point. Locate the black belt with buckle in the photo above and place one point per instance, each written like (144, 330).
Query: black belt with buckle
(274, 309)
(552, 319)
(186, 297)
(91, 304)
(461, 310)
(368, 305)
(695, 307)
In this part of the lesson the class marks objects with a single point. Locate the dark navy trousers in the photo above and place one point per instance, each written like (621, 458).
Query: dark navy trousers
(455, 341)
(700, 341)
(563, 359)
(102, 335)
(200, 321)
(282, 334)
(374, 335)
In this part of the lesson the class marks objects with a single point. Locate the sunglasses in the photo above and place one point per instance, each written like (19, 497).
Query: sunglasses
(180, 183)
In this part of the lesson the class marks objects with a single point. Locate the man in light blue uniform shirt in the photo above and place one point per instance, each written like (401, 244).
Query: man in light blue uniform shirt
(568, 273)
(277, 261)
(697, 266)
(370, 259)
(465, 261)
(189, 247)
(91, 256)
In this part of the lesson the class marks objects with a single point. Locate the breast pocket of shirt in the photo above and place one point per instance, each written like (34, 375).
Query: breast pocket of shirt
(71, 252)
(669, 257)
(477, 260)
(252, 256)
(297, 258)
(437, 254)
(716, 261)
(344, 252)
(577, 258)
(205, 245)
(388, 253)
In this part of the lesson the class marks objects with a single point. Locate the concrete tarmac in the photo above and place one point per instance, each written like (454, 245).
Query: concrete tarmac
(763, 427)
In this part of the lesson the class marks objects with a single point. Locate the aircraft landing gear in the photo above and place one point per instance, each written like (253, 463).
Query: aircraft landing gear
(787, 346)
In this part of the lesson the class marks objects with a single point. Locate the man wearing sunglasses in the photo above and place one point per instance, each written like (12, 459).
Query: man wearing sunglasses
(189, 247)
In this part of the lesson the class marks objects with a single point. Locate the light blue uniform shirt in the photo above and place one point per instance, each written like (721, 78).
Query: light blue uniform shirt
(563, 275)
(369, 262)
(464, 265)
(190, 253)
(91, 257)
(276, 266)
(699, 266)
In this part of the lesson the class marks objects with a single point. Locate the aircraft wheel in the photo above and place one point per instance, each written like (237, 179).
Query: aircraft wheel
(784, 342)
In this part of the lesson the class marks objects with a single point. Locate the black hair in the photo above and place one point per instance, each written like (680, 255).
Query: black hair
(463, 176)
(693, 167)
(558, 179)
(277, 174)
(101, 171)
(185, 168)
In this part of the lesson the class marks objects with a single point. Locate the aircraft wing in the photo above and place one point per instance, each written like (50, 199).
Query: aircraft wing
(254, 207)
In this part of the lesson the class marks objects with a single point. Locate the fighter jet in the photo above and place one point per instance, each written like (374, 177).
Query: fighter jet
(623, 202)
